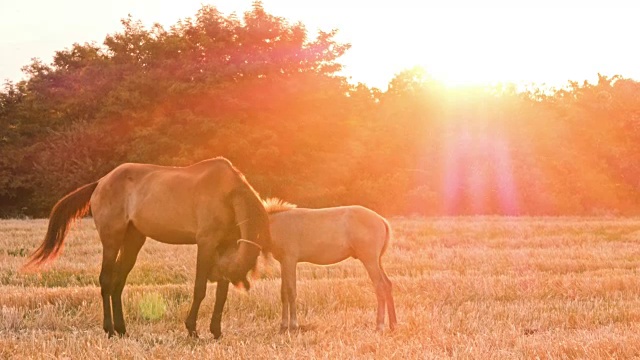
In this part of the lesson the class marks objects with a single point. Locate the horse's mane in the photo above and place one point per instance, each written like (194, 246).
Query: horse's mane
(275, 205)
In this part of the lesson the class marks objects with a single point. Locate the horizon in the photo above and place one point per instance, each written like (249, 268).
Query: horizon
(457, 45)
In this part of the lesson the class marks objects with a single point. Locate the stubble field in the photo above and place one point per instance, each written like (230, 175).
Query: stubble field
(471, 287)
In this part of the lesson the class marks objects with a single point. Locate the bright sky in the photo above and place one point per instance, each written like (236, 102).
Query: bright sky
(456, 41)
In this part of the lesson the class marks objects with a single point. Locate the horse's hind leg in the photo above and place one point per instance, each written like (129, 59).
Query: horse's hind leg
(129, 250)
(109, 254)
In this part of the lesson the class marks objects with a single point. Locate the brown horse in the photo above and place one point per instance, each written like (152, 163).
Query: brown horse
(198, 204)
(328, 236)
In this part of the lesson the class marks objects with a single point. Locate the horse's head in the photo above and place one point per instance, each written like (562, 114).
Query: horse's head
(225, 267)
(251, 232)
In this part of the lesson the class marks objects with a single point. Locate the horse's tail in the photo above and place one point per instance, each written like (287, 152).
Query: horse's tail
(72, 206)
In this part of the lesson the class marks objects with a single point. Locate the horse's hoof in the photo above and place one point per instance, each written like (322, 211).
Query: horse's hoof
(193, 334)
(283, 329)
(122, 332)
(109, 331)
(217, 333)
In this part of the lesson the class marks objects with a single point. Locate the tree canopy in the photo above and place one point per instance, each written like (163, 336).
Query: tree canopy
(263, 93)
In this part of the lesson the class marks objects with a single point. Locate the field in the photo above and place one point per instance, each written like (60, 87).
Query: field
(472, 287)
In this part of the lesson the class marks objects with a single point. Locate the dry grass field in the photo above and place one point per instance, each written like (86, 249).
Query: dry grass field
(465, 288)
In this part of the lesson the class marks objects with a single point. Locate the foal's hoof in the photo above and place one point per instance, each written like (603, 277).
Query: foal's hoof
(193, 334)
(290, 328)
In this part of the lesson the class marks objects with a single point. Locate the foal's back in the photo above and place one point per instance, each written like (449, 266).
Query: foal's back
(327, 236)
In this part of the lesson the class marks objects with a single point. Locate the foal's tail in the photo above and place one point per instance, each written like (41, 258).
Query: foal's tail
(387, 236)
(74, 205)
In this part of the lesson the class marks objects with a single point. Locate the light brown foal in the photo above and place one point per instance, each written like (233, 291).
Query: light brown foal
(328, 236)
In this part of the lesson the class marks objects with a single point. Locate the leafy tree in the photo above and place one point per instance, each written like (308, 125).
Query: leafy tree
(265, 94)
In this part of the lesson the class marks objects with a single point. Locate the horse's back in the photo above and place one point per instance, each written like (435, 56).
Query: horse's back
(164, 203)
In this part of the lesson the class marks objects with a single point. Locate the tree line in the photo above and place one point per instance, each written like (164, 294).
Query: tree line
(266, 95)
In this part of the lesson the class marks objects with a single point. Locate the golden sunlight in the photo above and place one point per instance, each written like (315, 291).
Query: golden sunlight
(474, 46)
(472, 164)
(487, 45)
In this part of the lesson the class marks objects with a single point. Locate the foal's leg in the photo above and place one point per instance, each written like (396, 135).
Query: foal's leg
(284, 323)
(377, 277)
(288, 293)
(391, 308)
(206, 249)
(109, 254)
(222, 289)
(126, 259)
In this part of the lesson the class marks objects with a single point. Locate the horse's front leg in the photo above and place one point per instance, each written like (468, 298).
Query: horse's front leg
(222, 290)
(203, 266)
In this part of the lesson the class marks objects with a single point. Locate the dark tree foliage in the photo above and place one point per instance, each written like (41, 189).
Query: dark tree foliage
(261, 92)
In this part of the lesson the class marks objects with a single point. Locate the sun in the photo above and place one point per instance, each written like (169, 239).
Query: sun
(463, 48)
(455, 47)
(456, 73)
(471, 46)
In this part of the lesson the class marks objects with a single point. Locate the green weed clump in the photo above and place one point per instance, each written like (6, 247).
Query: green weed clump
(152, 306)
